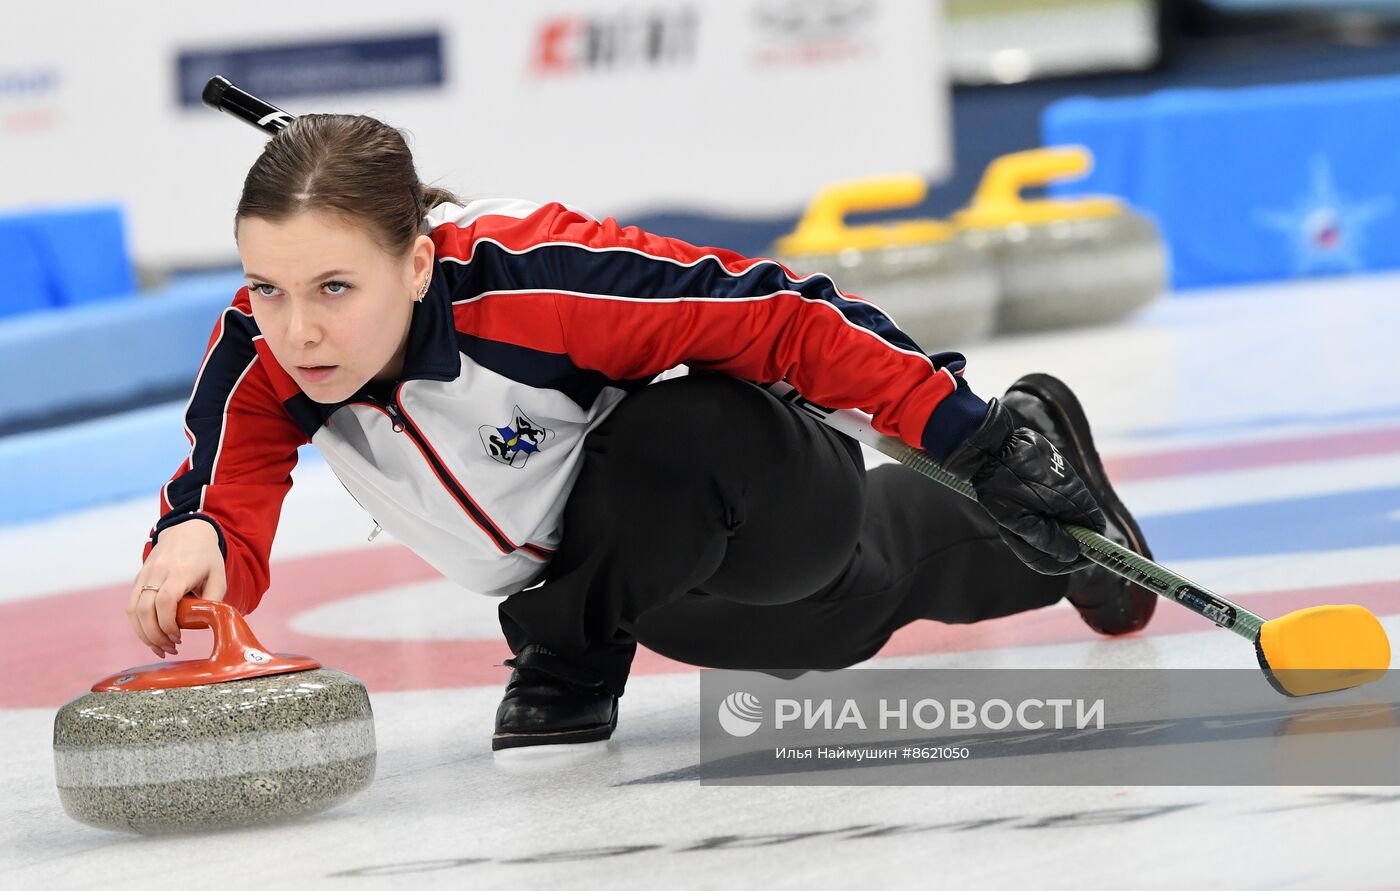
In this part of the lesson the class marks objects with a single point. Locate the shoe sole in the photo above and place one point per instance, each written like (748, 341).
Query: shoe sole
(1068, 415)
(555, 738)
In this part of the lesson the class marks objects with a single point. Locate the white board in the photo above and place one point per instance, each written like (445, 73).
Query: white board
(737, 107)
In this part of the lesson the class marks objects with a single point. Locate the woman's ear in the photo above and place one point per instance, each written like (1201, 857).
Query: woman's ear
(423, 254)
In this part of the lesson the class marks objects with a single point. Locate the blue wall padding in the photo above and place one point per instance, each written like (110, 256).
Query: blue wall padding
(26, 287)
(109, 352)
(129, 455)
(1251, 184)
(78, 465)
(71, 255)
(87, 254)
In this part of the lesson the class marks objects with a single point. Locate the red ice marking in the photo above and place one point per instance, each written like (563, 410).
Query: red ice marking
(1248, 455)
(53, 648)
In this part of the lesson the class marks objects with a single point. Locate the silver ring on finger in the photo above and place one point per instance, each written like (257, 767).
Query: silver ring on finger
(150, 587)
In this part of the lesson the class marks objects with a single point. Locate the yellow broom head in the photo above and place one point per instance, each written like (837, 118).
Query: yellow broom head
(1322, 649)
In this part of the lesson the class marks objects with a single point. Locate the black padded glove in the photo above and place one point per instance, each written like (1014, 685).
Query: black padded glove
(1029, 489)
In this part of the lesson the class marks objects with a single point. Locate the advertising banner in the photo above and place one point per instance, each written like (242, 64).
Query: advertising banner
(735, 107)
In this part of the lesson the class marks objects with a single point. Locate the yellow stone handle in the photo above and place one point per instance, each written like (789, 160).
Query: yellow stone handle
(998, 200)
(1008, 175)
(823, 227)
(831, 205)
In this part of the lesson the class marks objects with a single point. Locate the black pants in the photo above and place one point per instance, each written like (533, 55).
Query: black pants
(719, 527)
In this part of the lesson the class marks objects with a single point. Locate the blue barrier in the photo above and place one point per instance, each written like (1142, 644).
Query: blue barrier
(81, 465)
(57, 470)
(26, 277)
(109, 352)
(1251, 184)
(64, 257)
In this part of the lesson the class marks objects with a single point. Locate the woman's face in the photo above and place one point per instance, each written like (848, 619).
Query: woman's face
(332, 304)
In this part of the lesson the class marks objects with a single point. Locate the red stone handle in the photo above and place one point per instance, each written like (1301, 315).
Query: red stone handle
(234, 641)
(237, 654)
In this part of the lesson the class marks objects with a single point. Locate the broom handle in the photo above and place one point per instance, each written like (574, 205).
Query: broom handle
(1112, 556)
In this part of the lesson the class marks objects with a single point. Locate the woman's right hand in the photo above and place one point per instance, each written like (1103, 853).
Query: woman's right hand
(186, 558)
(1026, 485)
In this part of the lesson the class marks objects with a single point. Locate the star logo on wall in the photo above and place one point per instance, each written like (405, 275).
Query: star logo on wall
(1327, 231)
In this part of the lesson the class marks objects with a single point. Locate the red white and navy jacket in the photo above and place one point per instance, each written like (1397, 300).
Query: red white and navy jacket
(538, 321)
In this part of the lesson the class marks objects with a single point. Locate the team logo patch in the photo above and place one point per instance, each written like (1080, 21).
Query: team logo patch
(516, 442)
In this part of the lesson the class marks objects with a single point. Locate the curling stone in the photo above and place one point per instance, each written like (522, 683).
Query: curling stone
(1079, 261)
(243, 737)
(933, 283)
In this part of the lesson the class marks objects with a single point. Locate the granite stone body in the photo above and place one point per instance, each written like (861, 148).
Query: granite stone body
(214, 756)
(1075, 271)
(941, 293)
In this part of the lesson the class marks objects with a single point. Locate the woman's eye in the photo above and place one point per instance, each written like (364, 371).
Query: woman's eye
(335, 289)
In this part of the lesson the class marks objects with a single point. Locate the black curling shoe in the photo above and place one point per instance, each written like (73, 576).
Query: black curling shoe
(1106, 602)
(547, 702)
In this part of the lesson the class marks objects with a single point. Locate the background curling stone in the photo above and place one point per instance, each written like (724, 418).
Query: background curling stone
(1080, 261)
(924, 274)
(242, 737)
